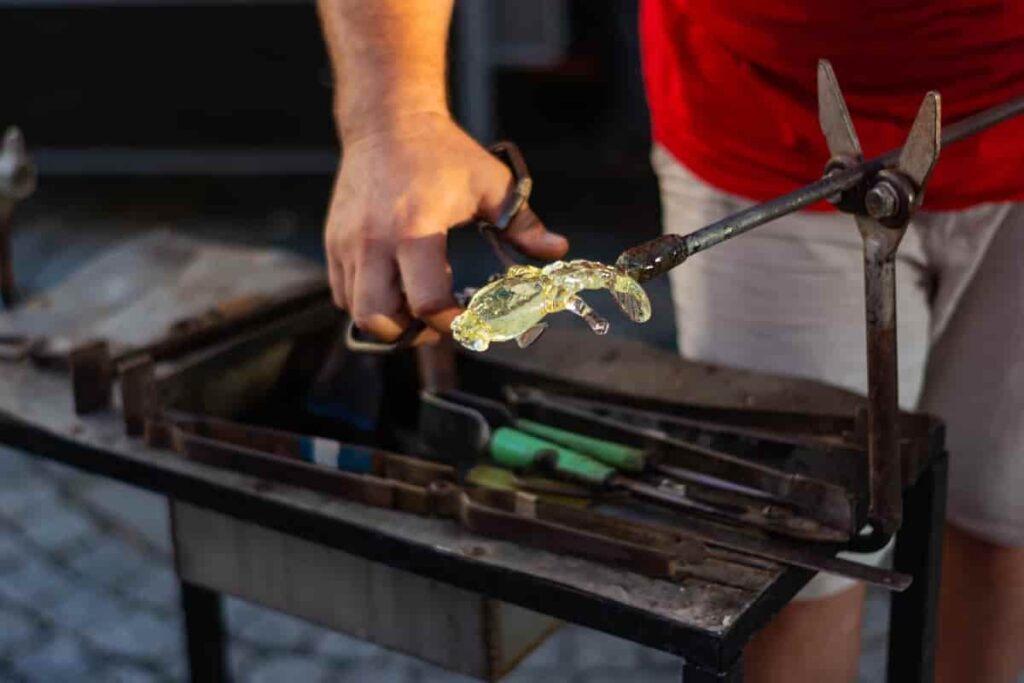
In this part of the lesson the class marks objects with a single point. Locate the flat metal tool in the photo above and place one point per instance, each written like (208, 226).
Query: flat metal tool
(820, 500)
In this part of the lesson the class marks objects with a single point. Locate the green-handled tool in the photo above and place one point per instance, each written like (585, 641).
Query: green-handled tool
(459, 432)
(622, 457)
(499, 417)
(519, 451)
(554, 490)
(458, 425)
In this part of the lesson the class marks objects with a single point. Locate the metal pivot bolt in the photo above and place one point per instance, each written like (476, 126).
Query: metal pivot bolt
(882, 201)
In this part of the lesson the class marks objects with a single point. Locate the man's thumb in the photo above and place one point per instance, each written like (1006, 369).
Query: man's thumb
(527, 234)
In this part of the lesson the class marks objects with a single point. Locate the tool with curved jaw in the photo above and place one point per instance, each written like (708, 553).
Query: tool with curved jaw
(882, 194)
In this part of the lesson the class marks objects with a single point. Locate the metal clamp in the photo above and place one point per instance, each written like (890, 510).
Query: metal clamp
(883, 204)
(508, 153)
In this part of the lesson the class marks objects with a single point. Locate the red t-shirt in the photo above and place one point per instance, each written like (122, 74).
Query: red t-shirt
(731, 86)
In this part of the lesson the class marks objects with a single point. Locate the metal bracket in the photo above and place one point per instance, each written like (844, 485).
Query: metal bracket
(883, 204)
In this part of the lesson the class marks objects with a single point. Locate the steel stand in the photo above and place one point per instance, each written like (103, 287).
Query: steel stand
(913, 622)
(204, 634)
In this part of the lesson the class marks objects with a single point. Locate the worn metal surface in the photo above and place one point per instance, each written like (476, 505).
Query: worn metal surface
(640, 371)
(137, 293)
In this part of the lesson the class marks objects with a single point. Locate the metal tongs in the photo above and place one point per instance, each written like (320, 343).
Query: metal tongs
(882, 193)
(517, 199)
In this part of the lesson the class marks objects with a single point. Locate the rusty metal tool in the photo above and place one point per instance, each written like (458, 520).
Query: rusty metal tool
(715, 529)
(706, 466)
(470, 427)
(882, 210)
(312, 449)
(17, 182)
(883, 194)
(422, 487)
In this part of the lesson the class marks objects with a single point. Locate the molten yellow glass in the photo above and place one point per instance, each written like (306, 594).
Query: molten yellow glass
(513, 306)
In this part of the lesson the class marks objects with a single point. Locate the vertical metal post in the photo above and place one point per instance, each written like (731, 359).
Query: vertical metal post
(913, 621)
(474, 106)
(92, 376)
(886, 501)
(204, 634)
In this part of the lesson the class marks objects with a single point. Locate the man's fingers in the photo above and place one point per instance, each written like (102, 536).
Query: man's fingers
(528, 234)
(427, 279)
(377, 302)
(429, 336)
(336, 278)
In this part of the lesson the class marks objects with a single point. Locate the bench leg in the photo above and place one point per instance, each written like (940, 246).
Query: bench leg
(204, 633)
(692, 673)
(913, 622)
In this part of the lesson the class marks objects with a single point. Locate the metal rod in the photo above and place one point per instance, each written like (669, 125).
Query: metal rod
(886, 501)
(776, 521)
(694, 477)
(664, 253)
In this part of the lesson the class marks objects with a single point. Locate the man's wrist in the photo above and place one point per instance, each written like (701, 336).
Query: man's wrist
(393, 120)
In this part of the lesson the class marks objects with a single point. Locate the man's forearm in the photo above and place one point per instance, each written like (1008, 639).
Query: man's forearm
(388, 58)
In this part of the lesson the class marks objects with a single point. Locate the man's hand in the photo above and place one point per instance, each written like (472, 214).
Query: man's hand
(408, 173)
(400, 188)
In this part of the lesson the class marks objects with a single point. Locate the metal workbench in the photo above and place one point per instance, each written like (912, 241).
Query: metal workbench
(705, 623)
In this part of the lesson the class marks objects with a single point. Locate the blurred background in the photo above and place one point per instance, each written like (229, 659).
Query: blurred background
(206, 113)
(213, 117)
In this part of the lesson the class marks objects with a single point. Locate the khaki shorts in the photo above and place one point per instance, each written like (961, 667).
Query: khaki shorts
(788, 298)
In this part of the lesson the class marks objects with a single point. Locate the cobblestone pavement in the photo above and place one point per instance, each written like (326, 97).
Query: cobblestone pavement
(87, 594)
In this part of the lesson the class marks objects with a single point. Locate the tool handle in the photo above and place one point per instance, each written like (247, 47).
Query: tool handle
(336, 455)
(518, 450)
(617, 455)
